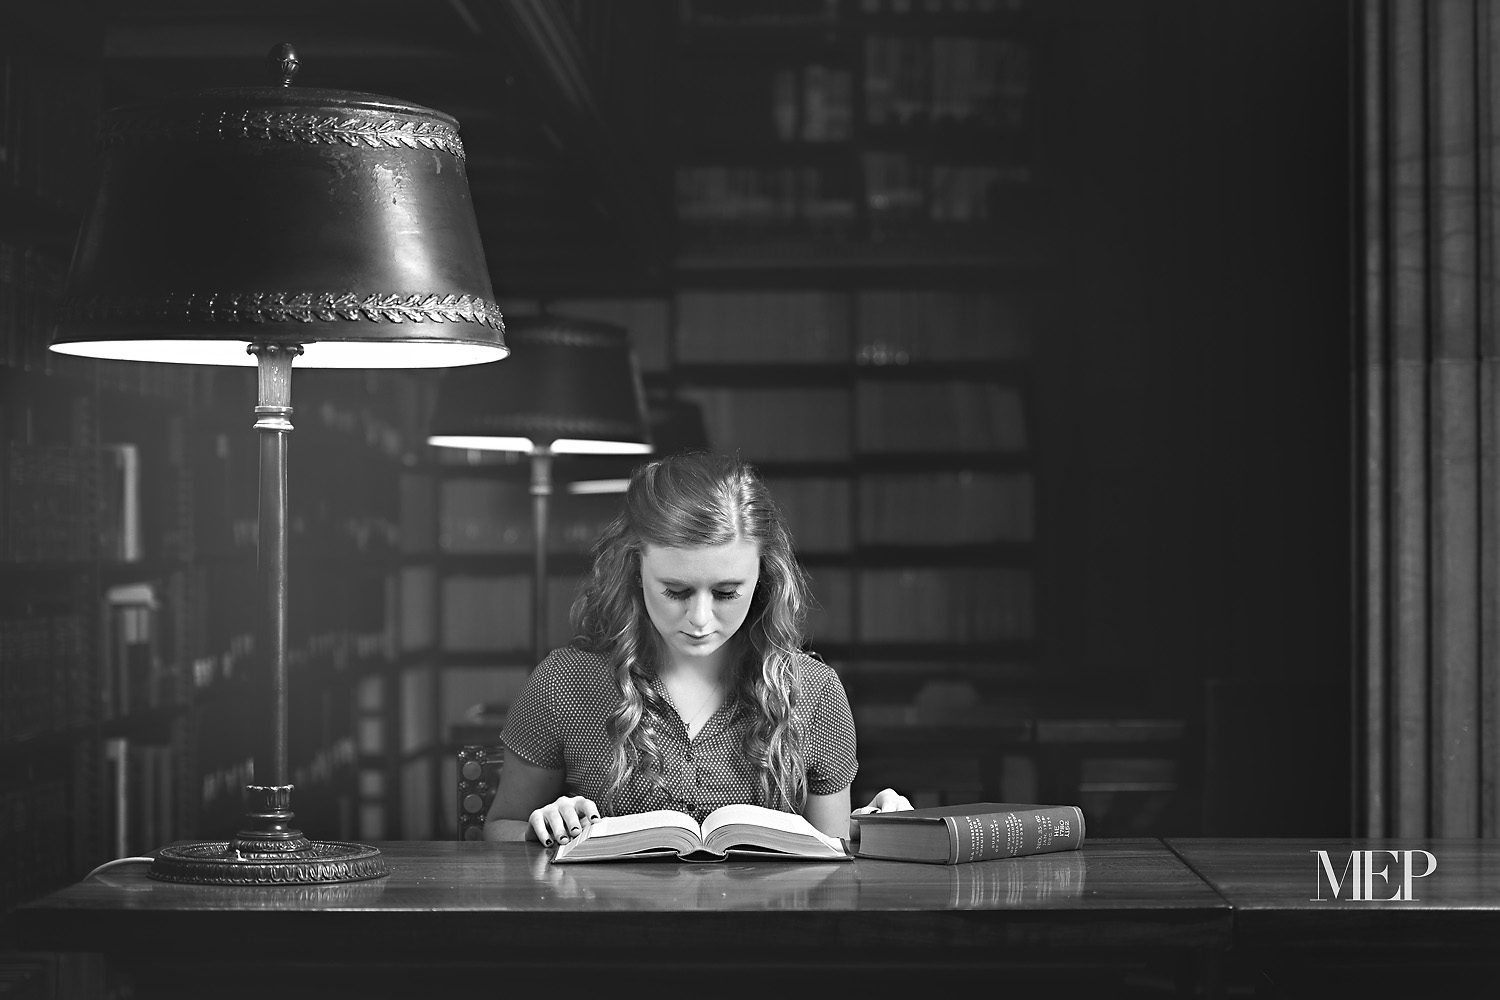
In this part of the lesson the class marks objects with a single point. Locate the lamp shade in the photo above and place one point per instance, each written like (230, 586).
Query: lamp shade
(337, 221)
(676, 425)
(572, 386)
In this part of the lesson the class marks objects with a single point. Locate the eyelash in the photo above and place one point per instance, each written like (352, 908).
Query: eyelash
(682, 595)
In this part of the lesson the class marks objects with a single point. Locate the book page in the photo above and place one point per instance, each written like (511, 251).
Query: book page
(609, 826)
(640, 834)
(741, 814)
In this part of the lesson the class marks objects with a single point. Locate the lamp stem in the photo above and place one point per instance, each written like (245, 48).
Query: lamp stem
(541, 492)
(273, 413)
(269, 850)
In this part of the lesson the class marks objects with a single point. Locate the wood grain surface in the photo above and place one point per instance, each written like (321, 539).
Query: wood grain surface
(446, 901)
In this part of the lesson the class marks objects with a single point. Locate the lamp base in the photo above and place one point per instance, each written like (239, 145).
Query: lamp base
(270, 852)
(220, 863)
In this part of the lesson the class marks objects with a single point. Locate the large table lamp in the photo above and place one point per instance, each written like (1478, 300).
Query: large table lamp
(572, 388)
(255, 226)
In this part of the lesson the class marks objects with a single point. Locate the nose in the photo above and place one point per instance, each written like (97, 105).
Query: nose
(700, 611)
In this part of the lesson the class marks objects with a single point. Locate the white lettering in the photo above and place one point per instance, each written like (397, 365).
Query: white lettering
(1334, 881)
(1360, 873)
(1431, 867)
(1371, 874)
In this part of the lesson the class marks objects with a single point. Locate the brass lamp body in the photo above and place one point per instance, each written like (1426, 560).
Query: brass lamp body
(255, 226)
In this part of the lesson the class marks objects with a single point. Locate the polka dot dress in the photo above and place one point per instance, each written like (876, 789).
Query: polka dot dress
(559, 723)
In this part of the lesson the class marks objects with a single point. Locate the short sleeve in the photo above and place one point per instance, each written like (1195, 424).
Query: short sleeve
(531, 725)
(829, 744)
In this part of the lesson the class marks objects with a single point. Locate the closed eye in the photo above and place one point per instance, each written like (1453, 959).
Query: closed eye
(719, 595)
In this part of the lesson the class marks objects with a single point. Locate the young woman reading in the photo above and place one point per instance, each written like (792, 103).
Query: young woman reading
(686, 687)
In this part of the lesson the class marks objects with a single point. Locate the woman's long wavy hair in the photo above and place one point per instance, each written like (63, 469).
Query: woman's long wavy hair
(682, 501)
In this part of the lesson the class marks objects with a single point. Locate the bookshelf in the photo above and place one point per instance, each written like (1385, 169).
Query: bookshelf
(869, 271)
(870, 132)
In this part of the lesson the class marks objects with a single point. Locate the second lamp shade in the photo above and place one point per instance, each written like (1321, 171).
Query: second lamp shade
(570, 385)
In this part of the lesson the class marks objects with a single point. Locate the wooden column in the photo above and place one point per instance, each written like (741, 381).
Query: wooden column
(1429, 345)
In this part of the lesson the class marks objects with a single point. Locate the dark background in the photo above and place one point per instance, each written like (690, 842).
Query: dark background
(1193, 391)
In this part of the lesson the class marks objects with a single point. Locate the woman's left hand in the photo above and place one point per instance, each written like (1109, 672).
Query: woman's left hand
(886, 800)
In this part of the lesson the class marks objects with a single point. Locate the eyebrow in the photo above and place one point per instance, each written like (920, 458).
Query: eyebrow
(672, 582)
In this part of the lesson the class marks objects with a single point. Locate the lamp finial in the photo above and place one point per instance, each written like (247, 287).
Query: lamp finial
(283, 62)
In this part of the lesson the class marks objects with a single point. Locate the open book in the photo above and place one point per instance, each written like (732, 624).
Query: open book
(741, 830)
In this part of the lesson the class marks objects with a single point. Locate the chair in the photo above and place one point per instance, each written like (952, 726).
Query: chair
(478, 778)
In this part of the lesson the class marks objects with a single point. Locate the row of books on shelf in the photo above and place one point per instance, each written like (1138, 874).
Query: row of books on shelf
(31, 286)
(950, 605)
(47, 675)
(138, 669)
(817, 199)
(920, 416)
(767, 326)
(146, 782)
(222, 786)
(945, 605)
(489, 613)
(900, 186)
(48, 503)
(72, 503)
(972, 89)
(938, 8)
(36, 839)
(62, 503)
(732, 106)
(492, 614)
(955, 85)
(895, 186)
(477, 516)
(326, 764)
(932, 509)
(904, 326)
(812, 103)
(49, 108)
(946, 83)
(909, 417)
(825, 13)
(876, 326)
(142, 795)
(342, 649)
(53, 677)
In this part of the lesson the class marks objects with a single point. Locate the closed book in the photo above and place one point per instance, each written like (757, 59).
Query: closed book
(978, 831)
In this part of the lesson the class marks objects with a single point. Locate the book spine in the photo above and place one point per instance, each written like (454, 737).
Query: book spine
(1013, 834)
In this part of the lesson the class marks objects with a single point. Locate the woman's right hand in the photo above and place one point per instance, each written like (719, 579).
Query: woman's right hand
(557, 822)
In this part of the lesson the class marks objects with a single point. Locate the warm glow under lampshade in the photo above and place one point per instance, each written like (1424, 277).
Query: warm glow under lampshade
(676, 425)
(572, 386)
(333, 220)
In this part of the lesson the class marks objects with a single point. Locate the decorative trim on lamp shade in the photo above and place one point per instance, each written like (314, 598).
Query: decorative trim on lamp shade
(572, 386)
(333, 220)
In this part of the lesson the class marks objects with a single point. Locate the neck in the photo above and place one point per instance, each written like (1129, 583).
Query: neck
(707, 669)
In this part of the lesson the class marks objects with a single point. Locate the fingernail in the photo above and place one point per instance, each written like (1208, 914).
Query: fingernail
(562, 840)
(549, 841)
(576, 831)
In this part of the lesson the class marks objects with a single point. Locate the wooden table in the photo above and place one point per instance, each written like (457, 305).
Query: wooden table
(474, 916)
(1311, 941)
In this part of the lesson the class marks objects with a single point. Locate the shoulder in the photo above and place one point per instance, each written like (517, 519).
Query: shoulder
(571, 667)
(814, 677)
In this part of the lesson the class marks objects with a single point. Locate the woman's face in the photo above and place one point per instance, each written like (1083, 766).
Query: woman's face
(698, 597)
